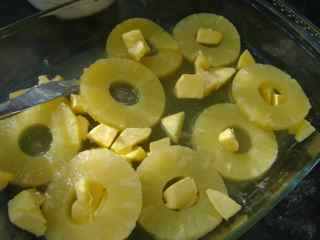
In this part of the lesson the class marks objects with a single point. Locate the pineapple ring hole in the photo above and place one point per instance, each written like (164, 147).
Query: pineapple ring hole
(170, 183)
(124, 93)
(153, 49)
(243, 138)
(35, 140)
(270, 99)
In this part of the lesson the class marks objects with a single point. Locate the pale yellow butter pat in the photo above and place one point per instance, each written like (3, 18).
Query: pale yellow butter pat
(24, 211)
(77, 104)
(173, 125)
(182, 194)
(302, 130)
(228, 140)
(190, 86)
(136, 155)
(209, 36)
(245, 59)
(159, 144)
(5, 179)
(201, 63)
(83, 125)
(136, 44)
(129, 138)
(223, 204)
(103, 135)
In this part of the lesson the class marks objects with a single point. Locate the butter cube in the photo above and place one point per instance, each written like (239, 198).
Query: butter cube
(190, 86)
(136, 155)
(224, 205)
(228, 140)
(5, 178)
(302, 130)
(201, 63)
(83, 125)
(209, 36)
(17, 93)
(103, 135)
(173, 125)
(77, 104)
(245, 59)
(136, 44)
(159, 144)
(43, 79)
(24, 211)
(182, 194)
(129, 138)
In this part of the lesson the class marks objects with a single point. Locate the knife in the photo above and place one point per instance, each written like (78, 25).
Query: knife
(37, 95)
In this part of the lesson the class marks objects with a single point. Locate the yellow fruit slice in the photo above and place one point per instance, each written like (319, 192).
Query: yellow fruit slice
(138, 154)
(224, 53)
(103, 135)
(96, 87)
(163, 166)
(190, 86)
(24, 211)
(302, 131)
(226, 206)
(245, 59)
(246, 93)
(83, 124)
(36, 142)
(159, 144)
(119, 209)
(165, 58)
(5, 179)
(173, 125)
(241, 165)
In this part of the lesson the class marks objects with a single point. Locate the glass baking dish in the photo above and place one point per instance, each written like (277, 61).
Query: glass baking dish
(272, 31)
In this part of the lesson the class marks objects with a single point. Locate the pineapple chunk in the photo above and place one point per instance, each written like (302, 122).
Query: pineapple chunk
(89, 196)
(268, 94)
(136, 155)
(224, 205)
(173, 125)
(209, 36)
(136, 44)
(77, 104)
(302, 131)
(24, 211)
(245, 59)
(83, 124)
(5, 178)
(159, 144)
(201, 63)
(190, 86)
(228, 140)
(182, 194)
(57, 78)
(103, 135)
(43, 79)
(278, 99)
(17, 93)
(216, 78)
(129, 138)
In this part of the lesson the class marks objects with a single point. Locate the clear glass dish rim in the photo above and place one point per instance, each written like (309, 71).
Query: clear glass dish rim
(304, 29)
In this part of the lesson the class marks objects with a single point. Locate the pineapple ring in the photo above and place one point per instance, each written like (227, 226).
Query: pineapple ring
(117, 213)
(101, 76)
(167, 57)
(223, 54)
(237, 166)
(246, 93)
(29, 168)
(156, 171)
